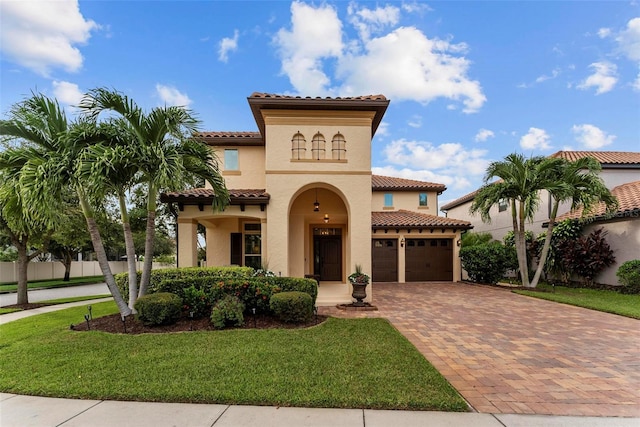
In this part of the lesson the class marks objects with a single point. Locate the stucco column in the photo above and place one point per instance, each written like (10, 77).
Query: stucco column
(187, 243)
(401, 258)
(263, 243)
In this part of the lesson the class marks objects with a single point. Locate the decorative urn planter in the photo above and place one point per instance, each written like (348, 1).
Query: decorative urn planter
(359, 281)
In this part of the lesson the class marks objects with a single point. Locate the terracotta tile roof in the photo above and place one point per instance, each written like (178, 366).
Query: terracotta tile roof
(388, 183)
(359, 98)
(604, 157)
(628, 196)
(230, 138)
(459, 201)
(203, 195)
(408, 219)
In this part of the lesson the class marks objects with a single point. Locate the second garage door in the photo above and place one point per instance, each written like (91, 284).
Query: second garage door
(428, 260)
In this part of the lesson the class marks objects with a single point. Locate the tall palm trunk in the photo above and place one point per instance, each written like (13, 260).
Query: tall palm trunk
(521, 246)
(131, 251)
(101, 254)
(23, 264)
(149, 240)
(547, 244)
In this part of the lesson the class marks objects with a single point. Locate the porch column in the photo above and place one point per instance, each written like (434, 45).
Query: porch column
(264, 253)
(401, 258)
(187, 243)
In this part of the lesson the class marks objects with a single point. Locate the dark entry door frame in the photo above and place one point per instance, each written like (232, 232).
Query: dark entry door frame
(327, 257)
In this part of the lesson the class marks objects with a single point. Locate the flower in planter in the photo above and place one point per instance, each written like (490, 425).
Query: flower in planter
(358, 276)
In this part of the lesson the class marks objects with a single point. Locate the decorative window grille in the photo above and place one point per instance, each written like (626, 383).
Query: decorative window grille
(338, 147)
(298, 147)
(317, 146)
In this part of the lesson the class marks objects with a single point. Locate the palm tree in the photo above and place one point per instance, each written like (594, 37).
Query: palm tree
(577, 182)
(44, 164)
(520, 182)
(165, 153)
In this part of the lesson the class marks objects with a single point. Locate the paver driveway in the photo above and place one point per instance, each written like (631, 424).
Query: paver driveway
(507, 353)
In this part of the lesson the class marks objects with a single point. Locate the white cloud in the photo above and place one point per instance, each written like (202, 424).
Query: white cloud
(604, 32)
(316, 33)
(416, 7)
(636, 83)
(403, 64)
(535, 139)
(172, 96)
(67, 93)
(451, 159)
(629, 40)
(483, 135)
(603, 79)
(383, 129)
(555, 73)
(368, 21)
(42, 35)
(591, 136)
(227, 45)
(415, 121)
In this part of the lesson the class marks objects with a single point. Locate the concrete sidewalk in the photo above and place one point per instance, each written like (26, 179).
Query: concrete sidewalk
(25, 411)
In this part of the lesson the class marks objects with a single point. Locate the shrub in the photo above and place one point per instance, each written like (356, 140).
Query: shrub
(588, 255)
(228, 311)
(188, 275)
(486, 263)
(195, 301)
(629, 276)
(162, 308)
(292, 307)
(471, 239)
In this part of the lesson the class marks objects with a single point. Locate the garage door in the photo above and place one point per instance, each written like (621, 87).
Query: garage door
(428, 260)
(384, 253)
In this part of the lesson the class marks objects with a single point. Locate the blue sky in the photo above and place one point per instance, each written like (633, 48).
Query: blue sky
(469, 82)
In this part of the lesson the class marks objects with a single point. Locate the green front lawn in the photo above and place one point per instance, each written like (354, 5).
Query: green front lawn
(342, 363)
(58, 283)
(595, 299)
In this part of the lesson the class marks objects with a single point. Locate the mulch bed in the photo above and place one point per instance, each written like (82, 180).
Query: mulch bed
(113, 324)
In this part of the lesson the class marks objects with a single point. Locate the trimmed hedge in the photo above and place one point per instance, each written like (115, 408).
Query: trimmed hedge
(228, 311)
(162, 308)
(629, 275)
(216, 282)
(486, 263)
(292, 307)
(160, 275)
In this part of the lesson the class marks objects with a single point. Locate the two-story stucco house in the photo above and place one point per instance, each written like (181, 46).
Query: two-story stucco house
(304, 201)
(620, 173)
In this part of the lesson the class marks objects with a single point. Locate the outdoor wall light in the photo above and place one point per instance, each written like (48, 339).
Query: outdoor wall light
(402, 242)
(326, 218)
(316, 204)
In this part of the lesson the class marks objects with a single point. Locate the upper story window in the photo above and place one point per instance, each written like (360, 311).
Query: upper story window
(231, 160)
(298, 147)
(422, 199)
(338, 147)
(318, 146)
(502, 205)
(388, 200)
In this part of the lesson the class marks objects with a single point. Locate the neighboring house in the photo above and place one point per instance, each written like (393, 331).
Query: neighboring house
(623, 227)
(620, 171)
(304, 201)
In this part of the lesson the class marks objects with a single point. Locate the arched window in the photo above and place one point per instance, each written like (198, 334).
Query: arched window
(338, 147)
(298, 147)
(317, 146)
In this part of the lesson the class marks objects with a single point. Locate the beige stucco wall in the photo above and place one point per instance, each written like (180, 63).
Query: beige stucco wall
(408, 200)
(250, 173)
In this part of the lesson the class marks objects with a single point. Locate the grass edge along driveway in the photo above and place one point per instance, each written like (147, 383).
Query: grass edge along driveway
(342, 363)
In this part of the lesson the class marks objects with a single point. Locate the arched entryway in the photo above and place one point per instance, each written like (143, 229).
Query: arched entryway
(318, 231)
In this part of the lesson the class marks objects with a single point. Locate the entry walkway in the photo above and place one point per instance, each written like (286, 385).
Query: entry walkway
(507, 353)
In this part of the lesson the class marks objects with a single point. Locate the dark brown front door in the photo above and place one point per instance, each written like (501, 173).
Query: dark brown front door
(327, 255)
(428, 260)
(384, 254)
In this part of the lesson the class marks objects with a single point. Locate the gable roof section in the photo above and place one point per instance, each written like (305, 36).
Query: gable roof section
(388, 183)
(414, 220)
(266, 101)
(628, 196)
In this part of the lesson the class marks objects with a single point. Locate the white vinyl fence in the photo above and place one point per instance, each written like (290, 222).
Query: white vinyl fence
(55, 269)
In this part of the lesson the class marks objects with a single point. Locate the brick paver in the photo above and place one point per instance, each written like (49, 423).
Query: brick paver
(507, 353)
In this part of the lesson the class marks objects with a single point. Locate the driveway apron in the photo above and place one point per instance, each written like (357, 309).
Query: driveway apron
(507, 353)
